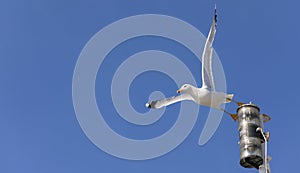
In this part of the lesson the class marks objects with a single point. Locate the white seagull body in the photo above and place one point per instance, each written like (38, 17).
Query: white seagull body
(206, 95)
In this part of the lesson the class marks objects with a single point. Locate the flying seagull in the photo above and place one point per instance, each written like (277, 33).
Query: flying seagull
(206, 95)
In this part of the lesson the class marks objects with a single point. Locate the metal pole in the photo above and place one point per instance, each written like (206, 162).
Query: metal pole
(265, 168)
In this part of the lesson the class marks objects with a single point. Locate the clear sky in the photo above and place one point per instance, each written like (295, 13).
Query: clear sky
(40, 42)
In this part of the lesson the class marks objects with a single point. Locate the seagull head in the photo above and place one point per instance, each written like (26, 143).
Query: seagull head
(184, 88)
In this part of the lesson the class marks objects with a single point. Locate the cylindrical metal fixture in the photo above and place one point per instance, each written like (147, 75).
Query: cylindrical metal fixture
(250, 141)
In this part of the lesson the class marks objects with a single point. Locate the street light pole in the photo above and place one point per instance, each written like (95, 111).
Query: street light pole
(252, 139)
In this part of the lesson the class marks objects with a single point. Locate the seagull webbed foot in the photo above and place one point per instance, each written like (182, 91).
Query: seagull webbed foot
(233, 116)
(238, 103)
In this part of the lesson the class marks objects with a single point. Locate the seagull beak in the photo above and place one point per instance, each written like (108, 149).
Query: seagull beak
(178, 91)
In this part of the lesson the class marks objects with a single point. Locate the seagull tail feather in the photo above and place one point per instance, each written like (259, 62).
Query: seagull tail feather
(229, 98)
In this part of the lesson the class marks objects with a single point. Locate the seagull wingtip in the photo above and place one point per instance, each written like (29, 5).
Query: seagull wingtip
(215, 13)
(148, 105)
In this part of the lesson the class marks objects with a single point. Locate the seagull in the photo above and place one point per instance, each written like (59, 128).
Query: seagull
(206, 95)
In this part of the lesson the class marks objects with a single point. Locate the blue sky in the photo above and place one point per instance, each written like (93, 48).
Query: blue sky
(257, 42)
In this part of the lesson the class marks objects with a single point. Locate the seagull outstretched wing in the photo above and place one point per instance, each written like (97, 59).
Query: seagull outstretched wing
(207, 75)
(156, 104)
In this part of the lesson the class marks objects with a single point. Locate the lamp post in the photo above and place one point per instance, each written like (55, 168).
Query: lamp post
(252, 138)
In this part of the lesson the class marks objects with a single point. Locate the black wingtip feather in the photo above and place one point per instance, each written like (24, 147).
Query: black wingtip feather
(215, 13)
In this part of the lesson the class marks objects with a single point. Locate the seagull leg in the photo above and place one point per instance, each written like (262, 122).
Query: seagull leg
(233, 116)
